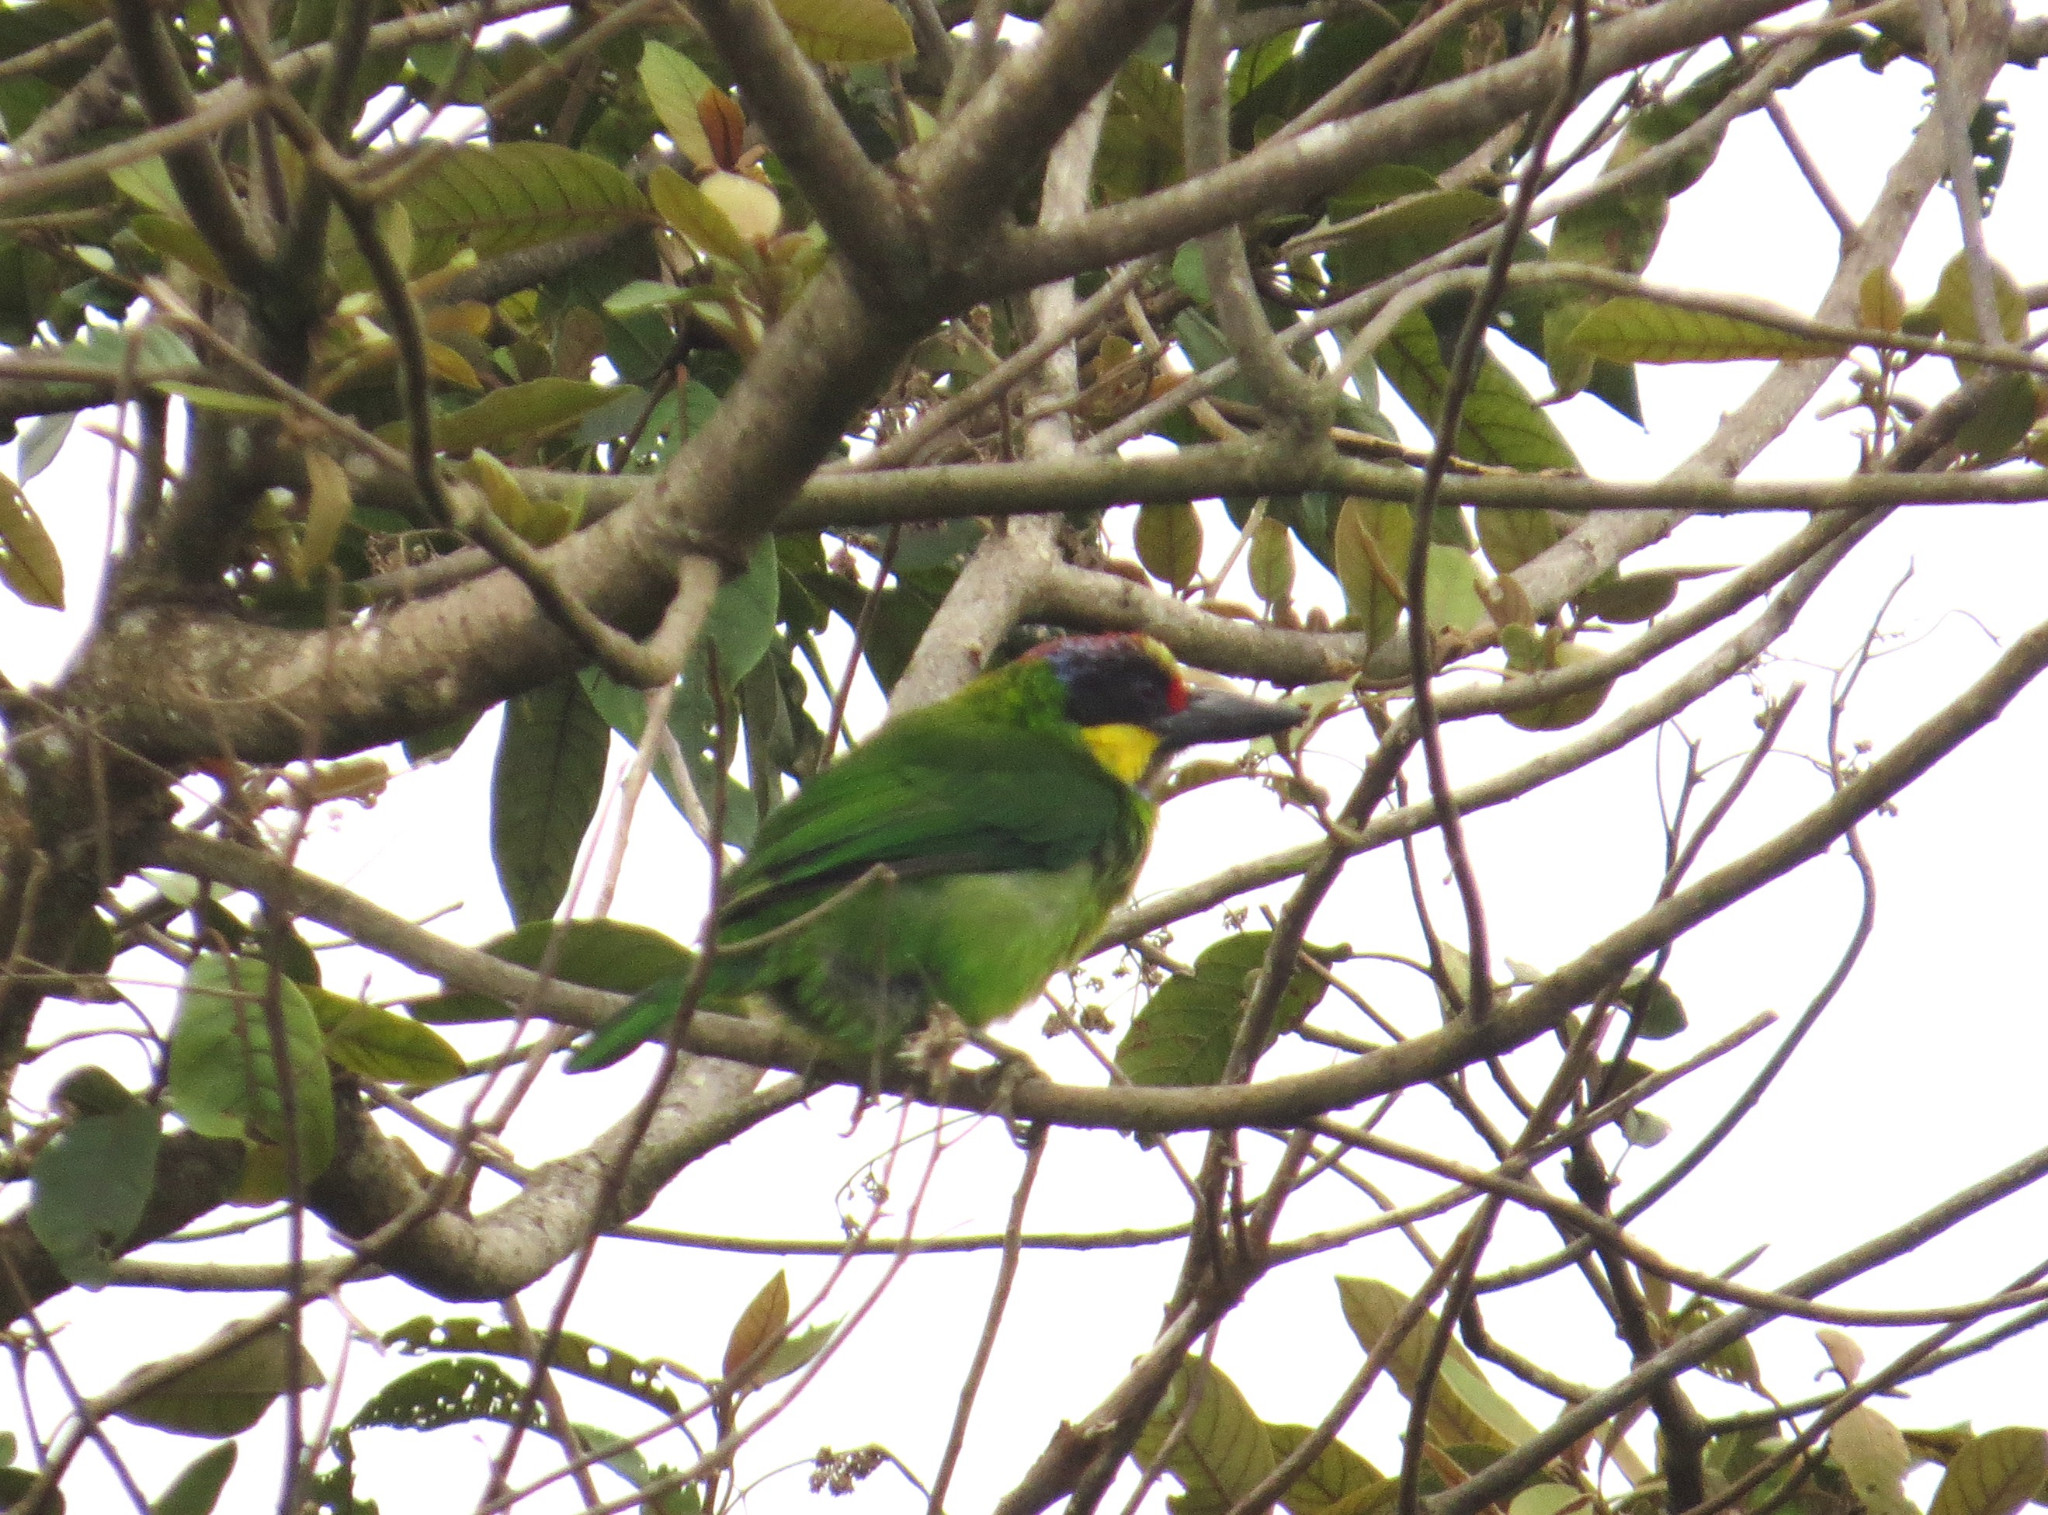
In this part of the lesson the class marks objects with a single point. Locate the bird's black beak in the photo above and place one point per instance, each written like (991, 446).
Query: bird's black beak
(1216, 715)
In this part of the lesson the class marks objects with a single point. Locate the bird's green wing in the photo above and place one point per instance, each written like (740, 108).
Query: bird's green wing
(936, 796)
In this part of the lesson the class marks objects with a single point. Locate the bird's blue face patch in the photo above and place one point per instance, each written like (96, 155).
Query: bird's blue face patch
(1116, 680)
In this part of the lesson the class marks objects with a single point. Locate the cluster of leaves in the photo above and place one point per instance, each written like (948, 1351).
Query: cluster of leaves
(1208, 1438)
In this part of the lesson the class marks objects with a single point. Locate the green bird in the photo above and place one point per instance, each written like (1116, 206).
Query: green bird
(961, 856)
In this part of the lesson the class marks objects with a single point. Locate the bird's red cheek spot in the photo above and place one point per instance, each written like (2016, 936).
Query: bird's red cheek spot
(1177, 695)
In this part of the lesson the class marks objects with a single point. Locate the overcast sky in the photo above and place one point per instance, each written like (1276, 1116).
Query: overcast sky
(1926, 1074)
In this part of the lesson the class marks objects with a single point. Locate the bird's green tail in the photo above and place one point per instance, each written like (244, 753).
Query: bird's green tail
(643, 1019)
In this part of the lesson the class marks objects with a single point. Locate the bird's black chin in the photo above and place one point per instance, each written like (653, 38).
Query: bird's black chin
(1216, 715)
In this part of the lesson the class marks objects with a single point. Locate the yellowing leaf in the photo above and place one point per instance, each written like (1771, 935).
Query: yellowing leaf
(683, 206)
(674, 85)
(450, 366)
(175, 237)
(226, 1393)
(1993, 1474)
(327, 506)
(1169, 543)
(1371, 544)
(749, 205)
(148, 183)
(233, 402)
(1630, 329)
(28, 558)
(1956, 305)
(760, 1323)
(1880, 302)
(847, 31)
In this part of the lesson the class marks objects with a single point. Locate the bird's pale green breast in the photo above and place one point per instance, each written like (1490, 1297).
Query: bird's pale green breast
(1008, 837)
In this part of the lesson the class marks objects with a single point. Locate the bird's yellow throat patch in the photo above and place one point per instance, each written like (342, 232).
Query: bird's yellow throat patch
(1124, 750)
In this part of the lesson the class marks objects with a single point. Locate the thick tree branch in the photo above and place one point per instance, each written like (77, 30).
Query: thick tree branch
(1285, 173)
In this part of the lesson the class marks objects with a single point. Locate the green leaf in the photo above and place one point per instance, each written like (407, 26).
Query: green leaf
(741, 624)
(1629, 329)
(29, 564)
(1338, 1473)
(226, 401)
(1659, 1012)
(1406, 233)
(439, 743)
(1184, 1033)
(1510, 538)
(674, 85)
(1225, 1450)
(1464, 1409)
(597, 954)
(1452, 590)
(228, 1393)
(445, 1392)
(1270, 562)
(1549, 1499)
(512, 417)
(1994, 1474)
(148, 184)
(544, 793)
(41, 440)
(196, 1490)
(690, 722)
(223, 1075)
(1169, 542)
(1141, 144)
(497, 199)
(578, 1356)
(16, 1482)
(687, 210)
(1955, 304)
(847, 31)
(1371, 544)
(381, 1046)
(89, 1187)
(795, 1353)
(1499, 423)
(175, 237)
(1873, 1456)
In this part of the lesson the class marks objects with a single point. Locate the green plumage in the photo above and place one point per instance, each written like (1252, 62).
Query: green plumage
(1006, 844)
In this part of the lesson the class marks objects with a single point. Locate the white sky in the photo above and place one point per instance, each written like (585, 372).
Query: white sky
(1923, 1077)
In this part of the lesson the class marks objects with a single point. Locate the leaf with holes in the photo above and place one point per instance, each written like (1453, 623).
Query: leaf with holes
(544, 793)
(446, 1392)
(578, 1356)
